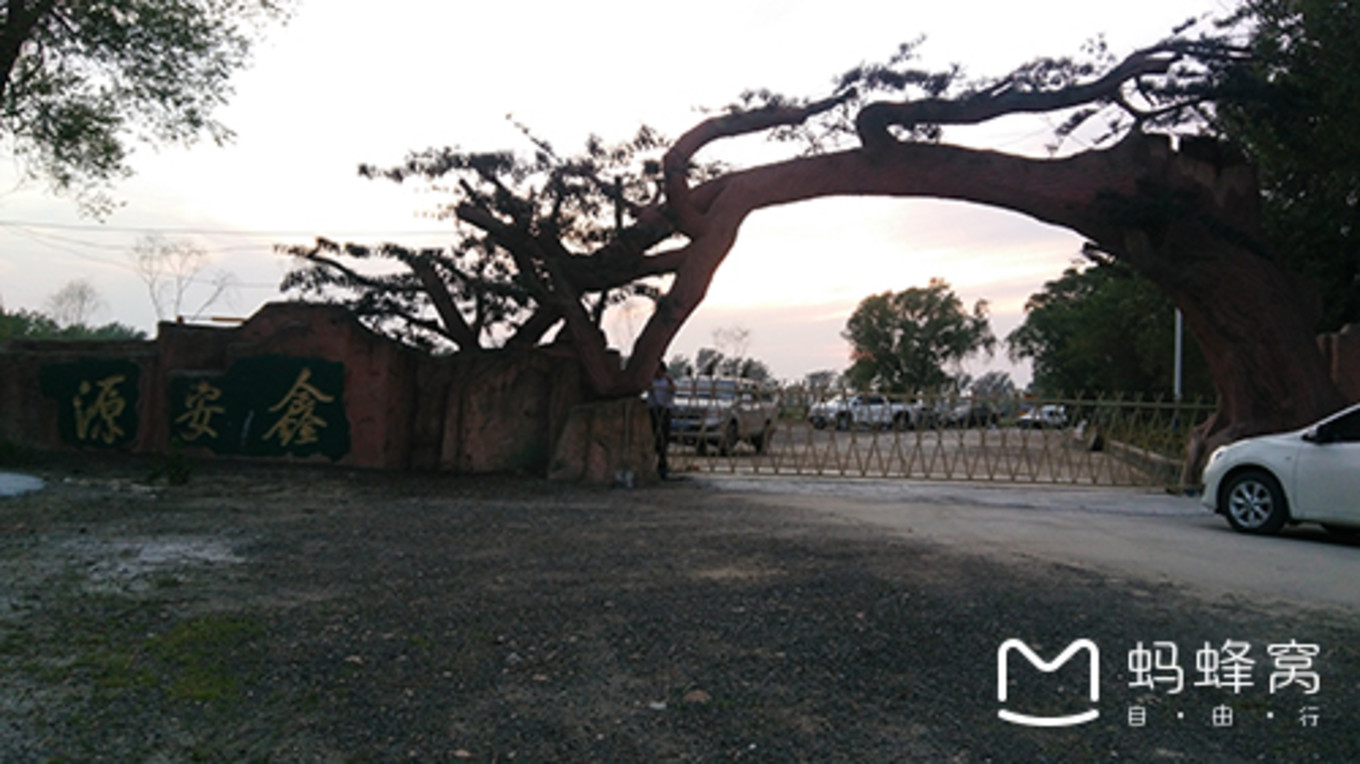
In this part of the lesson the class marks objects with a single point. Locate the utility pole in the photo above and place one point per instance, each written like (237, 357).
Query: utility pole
(1180, 346)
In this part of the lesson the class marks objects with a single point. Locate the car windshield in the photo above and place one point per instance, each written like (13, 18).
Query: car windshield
(706, 389)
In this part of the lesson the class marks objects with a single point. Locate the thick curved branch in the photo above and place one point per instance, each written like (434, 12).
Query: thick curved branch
(457, 327)
(688, 215)
(612, 266)
(532, 330)
(1065, 192)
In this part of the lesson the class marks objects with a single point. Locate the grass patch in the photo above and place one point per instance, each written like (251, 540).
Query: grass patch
(202, 656)
(116, 671)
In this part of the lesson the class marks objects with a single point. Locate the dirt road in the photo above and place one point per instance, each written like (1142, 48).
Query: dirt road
(1143, 534)
(308, 614)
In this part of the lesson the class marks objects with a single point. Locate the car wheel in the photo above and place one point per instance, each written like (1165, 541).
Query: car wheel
(819, 422)
(1253, 502)
(729, 439)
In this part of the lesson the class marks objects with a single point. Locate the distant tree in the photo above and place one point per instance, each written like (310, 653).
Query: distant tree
(170, 268)
(75, 303)
(680, 366)
(748, 368)
(904, 341)
(732, 341)
(32, 325)
(993, 385)
(707, 361)
(1102, 329)
(823, 381)
(81, 80)
(711, 362)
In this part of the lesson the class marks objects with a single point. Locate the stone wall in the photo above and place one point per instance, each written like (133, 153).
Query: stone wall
(295, 382)
(1342, 351)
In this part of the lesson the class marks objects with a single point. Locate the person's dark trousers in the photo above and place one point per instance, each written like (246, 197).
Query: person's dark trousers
(661, 431)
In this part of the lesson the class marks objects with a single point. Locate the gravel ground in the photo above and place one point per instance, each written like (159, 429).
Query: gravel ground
(312, 614)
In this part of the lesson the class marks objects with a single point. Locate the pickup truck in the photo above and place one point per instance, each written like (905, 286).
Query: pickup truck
(863, 410)
(720, 413)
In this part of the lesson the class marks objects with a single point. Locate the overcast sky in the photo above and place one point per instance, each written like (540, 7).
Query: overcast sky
(348, 82)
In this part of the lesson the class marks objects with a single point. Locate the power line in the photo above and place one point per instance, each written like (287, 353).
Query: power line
(211, 231)
(54, 242)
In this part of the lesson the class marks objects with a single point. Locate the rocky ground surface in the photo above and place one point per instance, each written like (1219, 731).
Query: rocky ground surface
(313, 614)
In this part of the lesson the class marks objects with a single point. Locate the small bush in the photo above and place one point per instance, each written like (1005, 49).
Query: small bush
(173, 466)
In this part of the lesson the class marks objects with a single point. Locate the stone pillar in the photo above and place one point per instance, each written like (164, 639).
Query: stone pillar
(606, 443)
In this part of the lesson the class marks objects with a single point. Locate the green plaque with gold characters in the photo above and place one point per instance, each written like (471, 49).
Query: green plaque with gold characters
(264, 406)
(96, 400)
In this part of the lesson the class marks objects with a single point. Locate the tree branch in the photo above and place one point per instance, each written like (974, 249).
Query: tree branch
(688, 215)
(314, 256)
(531, 331)
(457, 327)
(873, 120)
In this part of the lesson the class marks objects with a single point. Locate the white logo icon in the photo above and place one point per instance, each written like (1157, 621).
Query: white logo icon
(1047, 667)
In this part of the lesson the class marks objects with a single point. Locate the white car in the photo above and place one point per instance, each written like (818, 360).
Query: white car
(1309, 475)
(1043, 417)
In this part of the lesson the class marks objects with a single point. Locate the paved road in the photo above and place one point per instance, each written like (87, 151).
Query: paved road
(1127, 532)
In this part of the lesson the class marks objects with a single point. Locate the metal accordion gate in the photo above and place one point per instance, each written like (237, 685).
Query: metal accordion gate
(1100, 441)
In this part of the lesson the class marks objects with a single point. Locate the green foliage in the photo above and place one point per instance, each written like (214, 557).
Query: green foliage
(994, 385)
(81, 80)
(1104, 330)
(26, 324)
(713, 363)
(680, 366)
(902, 341)
(1295, 109)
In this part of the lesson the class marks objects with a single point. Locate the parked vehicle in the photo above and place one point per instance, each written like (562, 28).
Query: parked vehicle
(1043, 417)
(971, 414)
(1309, 475)
(720, 413)
(862, 410)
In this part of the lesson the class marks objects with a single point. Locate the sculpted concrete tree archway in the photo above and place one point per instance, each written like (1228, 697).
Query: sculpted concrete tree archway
(1185, 216)
(1185, 219)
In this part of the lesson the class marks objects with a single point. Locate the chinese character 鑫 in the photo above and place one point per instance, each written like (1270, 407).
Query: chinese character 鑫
(299, 422)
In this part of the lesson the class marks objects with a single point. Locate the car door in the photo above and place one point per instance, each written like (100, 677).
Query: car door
(1327, 475)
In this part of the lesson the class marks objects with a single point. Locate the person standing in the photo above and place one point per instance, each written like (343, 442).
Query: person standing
(660, 401)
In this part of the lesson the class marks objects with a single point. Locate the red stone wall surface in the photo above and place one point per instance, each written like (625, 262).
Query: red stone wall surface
(493, 411)
(1342, 350)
